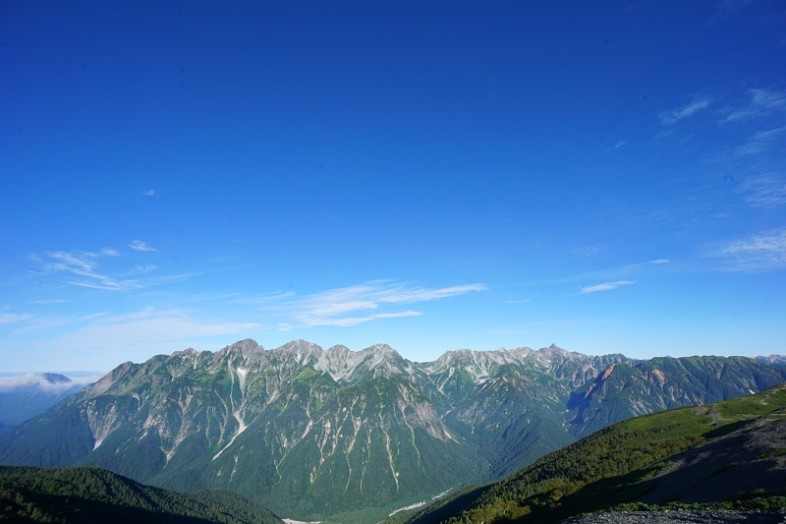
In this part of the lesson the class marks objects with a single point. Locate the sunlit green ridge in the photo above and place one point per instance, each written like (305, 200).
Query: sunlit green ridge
(638, 463)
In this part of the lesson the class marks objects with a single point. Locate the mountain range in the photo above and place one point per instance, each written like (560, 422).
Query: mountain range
(343, 436)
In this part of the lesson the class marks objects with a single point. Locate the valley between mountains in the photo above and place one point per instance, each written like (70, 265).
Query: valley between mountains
(342, 436)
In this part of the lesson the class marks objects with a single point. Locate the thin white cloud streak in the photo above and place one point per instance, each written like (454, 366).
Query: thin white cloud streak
(149, 323)
(13, 318)
(150, 192)
(764, 191)
(761, 141)
(675, 115)
(763, 102)
(620, 273)
(104, 341)
(340, 307)
(141, 245)
(760, 252)
(85, 264)
(308, 320)
(143, 270)
(605, 286)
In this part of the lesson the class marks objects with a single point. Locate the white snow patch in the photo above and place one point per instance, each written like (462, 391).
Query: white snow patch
(421, 503)
(240, 430)
(407, 508)
(241, 376)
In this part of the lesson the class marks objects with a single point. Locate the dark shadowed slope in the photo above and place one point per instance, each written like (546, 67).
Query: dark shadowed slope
(94, 495)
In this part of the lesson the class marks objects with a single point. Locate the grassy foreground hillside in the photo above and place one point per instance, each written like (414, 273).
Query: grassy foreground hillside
(87, 495)
(728, 454)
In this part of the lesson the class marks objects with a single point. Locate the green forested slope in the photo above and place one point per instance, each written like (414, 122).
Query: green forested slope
(86, 495)
(732, 452)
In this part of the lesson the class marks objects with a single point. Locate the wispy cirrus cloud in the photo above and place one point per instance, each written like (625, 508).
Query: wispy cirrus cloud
(764, 191)
(626, 273)
(605, 286)
(761, 102)
(759, 252)
(761, 141)
(102, 340)
(151, 323)
(140, 245)
(590, 250)
(150, 192)
(353, 305)
(673, 116)
(7, 318)
(82, 269)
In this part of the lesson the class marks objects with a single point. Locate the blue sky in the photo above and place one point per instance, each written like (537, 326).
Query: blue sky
(432, 175)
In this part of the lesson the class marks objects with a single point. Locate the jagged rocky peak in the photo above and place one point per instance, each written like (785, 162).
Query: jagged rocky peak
(336, 357)
(242, 353)
(383, 360)
(467, 357)
(187, 358)
(188, 352)
(345, 365)
(303, 351)
(456, 355)
(554, 353)
(451, 360)
(245, 347)
(300, 345)
(339, 362)
(107, 381)
(381, 348)
(518, 354)
(248, 345)
(553, 349)
(381, 354)
(339, 350)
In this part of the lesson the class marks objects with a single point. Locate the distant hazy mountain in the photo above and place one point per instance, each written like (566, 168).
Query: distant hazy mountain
(731, 454)
(313, 433)
(772, 359)
(24, 396)
(95, 495)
